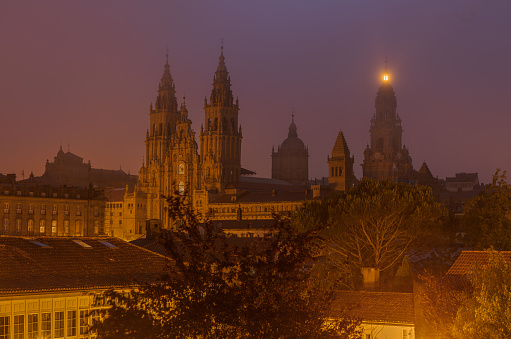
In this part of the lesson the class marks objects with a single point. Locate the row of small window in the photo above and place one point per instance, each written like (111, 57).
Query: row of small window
(43, 194)
(54, 210)
(278, 208)
(119, 205)
(42, 327)
(42, 226)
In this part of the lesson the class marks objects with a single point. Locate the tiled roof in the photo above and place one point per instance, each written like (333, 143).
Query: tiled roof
(389, 307)
(66, 265)
(468, 260)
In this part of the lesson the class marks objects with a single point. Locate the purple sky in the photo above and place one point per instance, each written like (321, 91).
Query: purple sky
(85, 72)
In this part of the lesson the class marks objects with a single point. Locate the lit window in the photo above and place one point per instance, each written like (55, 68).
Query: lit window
(42, 226)
(30, 226)
(181, 188)
(53, 227)
(18, 208)
(18, 226)
(66, 209)
(32, 326)
(59, 324)
(19, 326)
(84, 323)
(46, 325)
(78, 210)
(66, 227)
(31, 209)
(71, 323)
(55, 209)
(181, 169)
(4, 327)
(78, 227)
(6, 207)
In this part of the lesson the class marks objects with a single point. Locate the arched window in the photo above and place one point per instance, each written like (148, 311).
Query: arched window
(181, 188)
(215, 125)
(181, 169)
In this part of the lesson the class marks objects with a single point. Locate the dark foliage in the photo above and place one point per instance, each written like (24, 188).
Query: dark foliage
(214, 289)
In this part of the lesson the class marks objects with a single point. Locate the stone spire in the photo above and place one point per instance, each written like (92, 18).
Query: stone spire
(221, 94)
(166, 99)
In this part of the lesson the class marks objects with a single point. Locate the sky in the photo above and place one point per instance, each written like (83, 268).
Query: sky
(82, 74)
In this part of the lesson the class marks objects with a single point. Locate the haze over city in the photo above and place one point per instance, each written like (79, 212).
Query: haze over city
(83, 74)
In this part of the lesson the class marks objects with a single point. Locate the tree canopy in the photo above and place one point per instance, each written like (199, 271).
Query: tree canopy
(373, 224)
(259, 289)
(487, 218)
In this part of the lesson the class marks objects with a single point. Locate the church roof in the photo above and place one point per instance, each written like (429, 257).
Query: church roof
(340, 147)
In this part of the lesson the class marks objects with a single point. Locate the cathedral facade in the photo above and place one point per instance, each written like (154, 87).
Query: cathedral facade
(386, 158)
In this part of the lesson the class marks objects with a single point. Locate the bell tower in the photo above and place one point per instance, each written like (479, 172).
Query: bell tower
(386, 158)
(220, 135)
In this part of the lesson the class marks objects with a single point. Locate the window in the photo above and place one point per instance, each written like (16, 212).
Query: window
(59, 324)
(19, 326)
(42, 226)
(54, 195)
(30, 226)
(181, 188)
(6, 226)
(43, 209)
(181, 169)
(78, 227)
(43, 194)
(81, 243)
(6, 207)
(18, 208)
(71, 323)
(46, 325)
(54, 227)
(66, 209)
(31, 209)
(66, 227)
(4, 327)
(32, 326)
(96, 211)
(84, 323)
(18, 226)
(55, 209)
(78, 210)
(405, 334)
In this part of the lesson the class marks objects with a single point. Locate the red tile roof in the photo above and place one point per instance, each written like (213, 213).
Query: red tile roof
(66, 265)
(388, 307)
(468, 260)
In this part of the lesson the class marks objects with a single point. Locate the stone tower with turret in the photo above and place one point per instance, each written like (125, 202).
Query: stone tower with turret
(340, 166)
(386, 158)
(220, 136)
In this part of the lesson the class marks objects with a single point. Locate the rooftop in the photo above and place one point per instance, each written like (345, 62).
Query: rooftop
(40, 264)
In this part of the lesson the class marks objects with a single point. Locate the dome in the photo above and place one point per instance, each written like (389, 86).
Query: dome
(292, 144)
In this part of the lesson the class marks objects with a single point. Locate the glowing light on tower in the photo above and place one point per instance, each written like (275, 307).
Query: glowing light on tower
(386, 73)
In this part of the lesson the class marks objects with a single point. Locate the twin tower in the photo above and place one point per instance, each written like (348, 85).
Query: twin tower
(172, 161)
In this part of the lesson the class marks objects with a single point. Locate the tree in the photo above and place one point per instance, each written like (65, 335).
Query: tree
(487, 216)
(374, 224)
(487, 313)
(215, 290)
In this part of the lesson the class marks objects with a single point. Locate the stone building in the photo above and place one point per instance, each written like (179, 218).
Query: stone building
(340, 166)
(69, 169)
(386, 158)
(51, 211)
(50, 285)
(291, 160)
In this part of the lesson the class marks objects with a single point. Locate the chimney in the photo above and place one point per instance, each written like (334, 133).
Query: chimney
(371, 278)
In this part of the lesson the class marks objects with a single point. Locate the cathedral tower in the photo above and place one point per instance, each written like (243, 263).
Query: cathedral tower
(291, 161)
(340, 166)
(386, 158)
(221, 135)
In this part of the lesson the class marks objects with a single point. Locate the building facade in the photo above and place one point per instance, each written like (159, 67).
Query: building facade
(386, 158)
(51, 211)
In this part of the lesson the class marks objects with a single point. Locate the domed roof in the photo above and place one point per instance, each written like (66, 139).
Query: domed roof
(292, 143)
